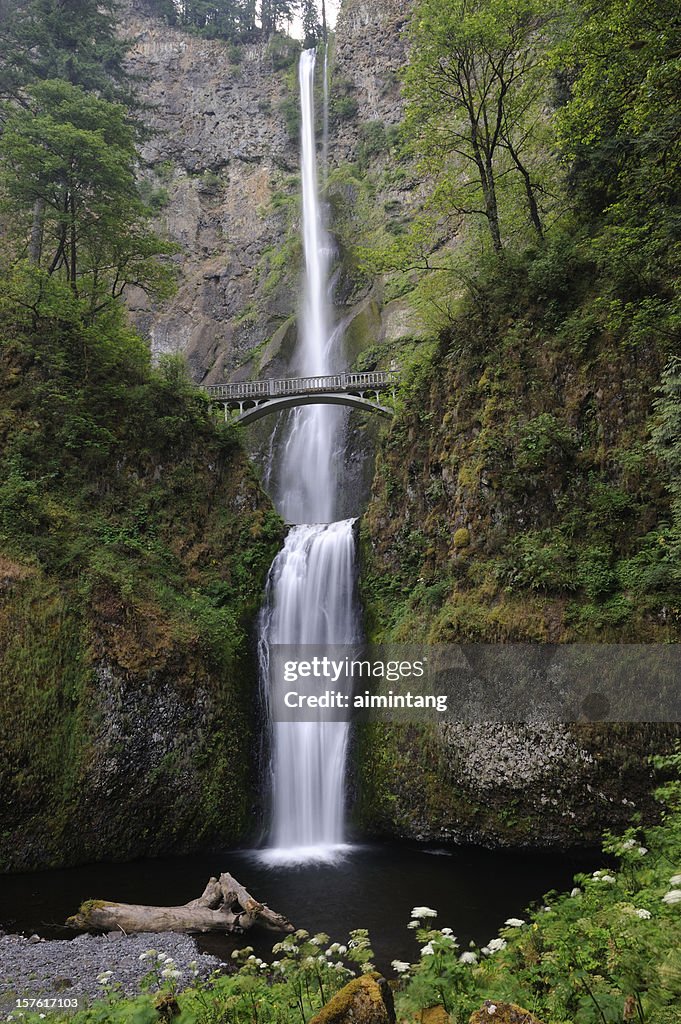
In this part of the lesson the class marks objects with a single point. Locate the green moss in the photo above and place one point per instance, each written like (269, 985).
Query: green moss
(361, 1000)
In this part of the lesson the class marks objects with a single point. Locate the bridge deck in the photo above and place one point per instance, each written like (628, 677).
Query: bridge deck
(334, 383)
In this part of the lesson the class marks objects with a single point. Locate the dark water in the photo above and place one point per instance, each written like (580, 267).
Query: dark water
(474, 891)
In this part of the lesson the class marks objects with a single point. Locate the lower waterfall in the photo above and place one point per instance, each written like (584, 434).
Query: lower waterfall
(310, 600)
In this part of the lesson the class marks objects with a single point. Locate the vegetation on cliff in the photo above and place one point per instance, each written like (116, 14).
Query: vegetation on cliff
(528, 487)
(533, 461)
(134, 536)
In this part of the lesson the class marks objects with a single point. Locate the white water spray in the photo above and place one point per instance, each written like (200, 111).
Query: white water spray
(311, 586)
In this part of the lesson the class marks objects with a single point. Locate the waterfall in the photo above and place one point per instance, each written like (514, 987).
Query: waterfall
(310, 596)
(308, 470)
(310, 600)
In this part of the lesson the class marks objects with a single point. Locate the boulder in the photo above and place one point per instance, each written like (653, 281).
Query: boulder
(366, 1000)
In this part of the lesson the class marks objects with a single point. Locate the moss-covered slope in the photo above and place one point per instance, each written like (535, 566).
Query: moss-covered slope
(135, 542)
(518, 497)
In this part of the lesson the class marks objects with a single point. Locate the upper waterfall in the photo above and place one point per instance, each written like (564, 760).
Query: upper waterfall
(312, 451)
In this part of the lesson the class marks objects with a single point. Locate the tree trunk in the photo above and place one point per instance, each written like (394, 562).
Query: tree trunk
(529, 188)
(35, 246)
(224, 906)
(73, 243)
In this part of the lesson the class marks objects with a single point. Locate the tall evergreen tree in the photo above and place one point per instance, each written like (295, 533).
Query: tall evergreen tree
(73, 40)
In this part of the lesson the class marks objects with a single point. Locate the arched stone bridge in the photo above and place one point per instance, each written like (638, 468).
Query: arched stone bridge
(250, 400)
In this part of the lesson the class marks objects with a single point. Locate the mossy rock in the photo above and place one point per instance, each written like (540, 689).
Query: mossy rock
(433, 1015)
(502, 1013)
(462, 538)
(366, 1000)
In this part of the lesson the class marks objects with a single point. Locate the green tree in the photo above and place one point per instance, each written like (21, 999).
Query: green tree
(620, 134)
(312, 26)
(475, 85)
(75, 154)
(623, 59)
(75, 40)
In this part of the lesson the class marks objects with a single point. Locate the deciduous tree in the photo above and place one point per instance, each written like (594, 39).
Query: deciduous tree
(475, 84)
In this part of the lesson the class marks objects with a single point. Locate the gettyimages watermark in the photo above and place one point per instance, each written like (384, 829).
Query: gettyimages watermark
(475, 682)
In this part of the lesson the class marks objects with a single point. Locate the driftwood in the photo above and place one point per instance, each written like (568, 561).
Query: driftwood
(224, 906)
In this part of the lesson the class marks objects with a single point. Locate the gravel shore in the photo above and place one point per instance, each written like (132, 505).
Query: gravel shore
(68, 968)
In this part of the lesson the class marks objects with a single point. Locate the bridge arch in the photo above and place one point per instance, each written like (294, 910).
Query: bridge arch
(271, 405)
(247, 401)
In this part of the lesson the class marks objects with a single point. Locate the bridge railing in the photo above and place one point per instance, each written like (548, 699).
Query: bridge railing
(373, 380)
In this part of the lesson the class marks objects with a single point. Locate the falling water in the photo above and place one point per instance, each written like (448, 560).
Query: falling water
(309, 459)
(311, 586)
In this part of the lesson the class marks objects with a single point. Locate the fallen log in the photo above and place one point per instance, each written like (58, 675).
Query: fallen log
(224, 906)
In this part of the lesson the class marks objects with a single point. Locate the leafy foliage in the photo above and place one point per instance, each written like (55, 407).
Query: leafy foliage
(71, 157)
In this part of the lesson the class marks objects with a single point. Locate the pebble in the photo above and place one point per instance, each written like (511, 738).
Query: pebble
(33, 967)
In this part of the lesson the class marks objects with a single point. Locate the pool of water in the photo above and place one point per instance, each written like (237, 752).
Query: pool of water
(371, 886)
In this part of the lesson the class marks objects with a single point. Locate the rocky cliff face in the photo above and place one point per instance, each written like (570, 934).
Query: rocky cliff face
(370, 50)
(219, 151)
(221, 168)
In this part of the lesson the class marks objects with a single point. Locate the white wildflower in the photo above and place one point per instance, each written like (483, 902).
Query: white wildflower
(400, 966)
(446, 931)
(414, 924)
(576, 892)
(149, 955)
(628, 844)
(161, 957)
(367, 968)
(514, 922)
(468, 958)
(642, 850)
(645, 915)
(427, 950)
(342, 950)
(104, 977)
(423, 912)
(338, 966)
(491, 1009)
(673, 896)
(494, 946)
(171, 973)
(675, 880)
(608, 879)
